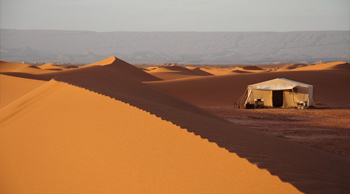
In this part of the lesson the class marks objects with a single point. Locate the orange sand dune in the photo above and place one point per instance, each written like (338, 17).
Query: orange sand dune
(248, 69)
(19, 67)
(12, 88)
(339, 65)
(176, 72)
(66, 139)
(110, 66)
(151, 68)
(291, 66)
(82, 140)
(217, 71)
(51, 66)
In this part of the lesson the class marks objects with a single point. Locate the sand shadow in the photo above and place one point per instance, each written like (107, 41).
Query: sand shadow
(308, 169)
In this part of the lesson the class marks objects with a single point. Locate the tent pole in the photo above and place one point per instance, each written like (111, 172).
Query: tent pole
(293, 97)
(248, 96)
(242, 98)
(284, 99)
(245, 96)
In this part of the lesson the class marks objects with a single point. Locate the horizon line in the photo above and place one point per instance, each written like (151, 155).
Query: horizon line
(169, 31)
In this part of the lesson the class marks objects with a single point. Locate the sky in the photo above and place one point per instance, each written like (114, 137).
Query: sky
(176, 15)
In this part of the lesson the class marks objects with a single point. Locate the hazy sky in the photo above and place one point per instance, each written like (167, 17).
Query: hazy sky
(176, 15)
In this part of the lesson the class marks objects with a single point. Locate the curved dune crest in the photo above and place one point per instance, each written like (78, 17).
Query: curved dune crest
(122, 67)
(69, 140)
(108, 61)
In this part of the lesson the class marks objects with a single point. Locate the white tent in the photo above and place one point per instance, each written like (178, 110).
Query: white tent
(280, 92)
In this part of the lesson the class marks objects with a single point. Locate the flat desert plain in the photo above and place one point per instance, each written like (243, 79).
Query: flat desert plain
(111, 127)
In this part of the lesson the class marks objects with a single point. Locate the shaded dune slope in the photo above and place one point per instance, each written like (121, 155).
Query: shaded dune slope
(308, 169)
(251, 67)
(330, 87)
(239, 71)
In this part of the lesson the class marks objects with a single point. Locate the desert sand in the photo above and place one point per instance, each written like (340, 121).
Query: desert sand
(14, 87)
(176, 72)
(330, 83)
(110, 127)
(323, 129)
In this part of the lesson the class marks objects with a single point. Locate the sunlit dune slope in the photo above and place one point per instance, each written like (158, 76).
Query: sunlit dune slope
(217, 71)
(12, 88)
(339, 65)
(19, 67)
(64, 139)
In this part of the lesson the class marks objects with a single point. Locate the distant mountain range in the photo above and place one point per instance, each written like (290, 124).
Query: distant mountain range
(174, 47)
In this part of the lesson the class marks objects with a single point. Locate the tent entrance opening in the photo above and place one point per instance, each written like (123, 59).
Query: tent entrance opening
(277, 98)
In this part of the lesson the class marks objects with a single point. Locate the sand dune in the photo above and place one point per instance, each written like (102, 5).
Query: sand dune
(176, 72)
(247, 69)
(9, 67)
(291, 66)
(12, 88)
(339, 65)
(251, 67)
(60, 137)
(217, 71)
(110, 66)
(51, 66)
(49, 146)
(19, 67)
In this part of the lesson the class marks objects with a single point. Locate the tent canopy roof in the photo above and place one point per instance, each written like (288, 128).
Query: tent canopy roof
(277, 84)
(275, 87)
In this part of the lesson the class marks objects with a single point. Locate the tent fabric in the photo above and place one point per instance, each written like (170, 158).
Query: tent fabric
(293, 92)
(275, 87)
